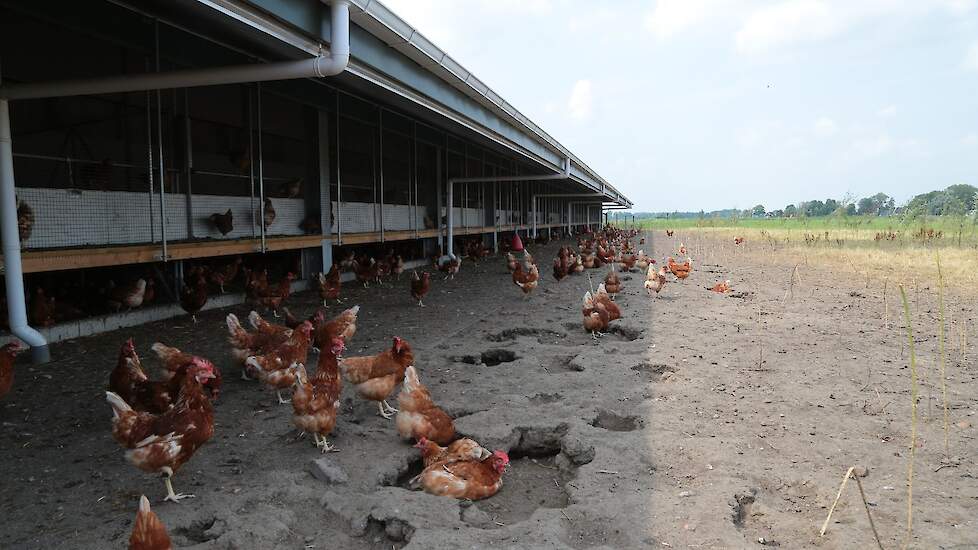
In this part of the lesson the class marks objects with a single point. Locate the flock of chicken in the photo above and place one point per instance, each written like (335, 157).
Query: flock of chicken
(161, 423)
(611, 247)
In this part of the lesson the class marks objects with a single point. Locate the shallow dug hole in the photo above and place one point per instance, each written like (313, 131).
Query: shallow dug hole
(491, 357)
(625, 333)
(615, 422)
(533, 479)
(543, 336)
(615, 332)
(655, 372)
(529, 483)
(198, 531)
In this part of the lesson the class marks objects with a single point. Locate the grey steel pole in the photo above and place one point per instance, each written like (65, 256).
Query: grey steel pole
(149, 166)
(251, 160)
(380, 132)
(189, 161)
(159, 144)
(261, 172)
(414, 176)
(339, 178)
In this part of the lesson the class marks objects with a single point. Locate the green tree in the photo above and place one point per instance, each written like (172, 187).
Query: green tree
(884, 204)
(963, 193)
(758, 211)
(850, 209)
(790, 211)
(830, 206)
(814, 208)
(867, 206)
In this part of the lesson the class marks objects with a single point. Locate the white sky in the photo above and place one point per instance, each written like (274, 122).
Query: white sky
(709, 104)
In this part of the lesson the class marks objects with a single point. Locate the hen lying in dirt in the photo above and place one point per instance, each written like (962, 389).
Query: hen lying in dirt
(464, 479)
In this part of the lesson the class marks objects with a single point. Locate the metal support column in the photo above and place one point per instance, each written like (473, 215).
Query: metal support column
(251, 161)
(261, 171)
(188, 163)
(159, 144)
(339, 178)
(325, 201)
(380, 133)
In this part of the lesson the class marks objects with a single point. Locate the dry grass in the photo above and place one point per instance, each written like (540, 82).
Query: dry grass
(857, 251)
(913, 416)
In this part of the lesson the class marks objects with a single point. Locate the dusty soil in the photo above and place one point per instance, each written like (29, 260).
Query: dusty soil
(703, 420)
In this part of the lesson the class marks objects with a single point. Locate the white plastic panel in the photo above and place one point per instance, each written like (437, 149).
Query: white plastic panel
(71, 218)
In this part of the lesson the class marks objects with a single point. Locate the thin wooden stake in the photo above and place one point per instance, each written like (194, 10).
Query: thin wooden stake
(835, 502)
(869, 516)
(943, 351)
(913, 417)
(886, 307)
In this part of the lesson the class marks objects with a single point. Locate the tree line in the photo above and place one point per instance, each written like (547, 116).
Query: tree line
(955, 200)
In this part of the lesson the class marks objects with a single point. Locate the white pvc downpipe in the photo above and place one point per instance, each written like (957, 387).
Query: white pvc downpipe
(13, 270)
(565, 174)
(321, 66)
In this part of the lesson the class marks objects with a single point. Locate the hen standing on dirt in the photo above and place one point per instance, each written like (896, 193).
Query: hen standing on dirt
(419, 417)
(375, 377)
(315, 400)
(163, 443)
(420, 286)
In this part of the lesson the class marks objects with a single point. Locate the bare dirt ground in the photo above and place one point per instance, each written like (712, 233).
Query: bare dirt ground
(702, 421)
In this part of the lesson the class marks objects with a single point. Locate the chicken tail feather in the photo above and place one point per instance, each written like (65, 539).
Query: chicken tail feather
(118, 404)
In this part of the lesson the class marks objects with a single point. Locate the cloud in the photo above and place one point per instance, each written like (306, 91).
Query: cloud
(516, 7)
(760, 132)
(785, 23)
(874, 146)
(580, 101)
(960, 7)
(970, 140)
(971, 59)
(887, 112)
(825, 127)
(672, 17)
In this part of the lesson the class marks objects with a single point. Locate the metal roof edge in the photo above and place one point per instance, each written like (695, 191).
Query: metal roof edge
(399, 34)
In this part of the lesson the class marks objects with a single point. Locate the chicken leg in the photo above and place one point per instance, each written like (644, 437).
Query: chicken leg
(322, 444)
(421, 303)
(170, 495)
(386, 410)
(281, 401)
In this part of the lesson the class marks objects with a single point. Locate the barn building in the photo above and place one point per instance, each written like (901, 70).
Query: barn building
(140, 138)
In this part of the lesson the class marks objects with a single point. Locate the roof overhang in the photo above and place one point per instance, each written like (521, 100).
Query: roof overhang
(387, 52)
